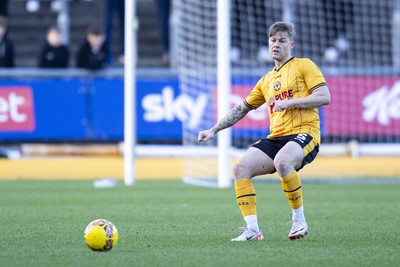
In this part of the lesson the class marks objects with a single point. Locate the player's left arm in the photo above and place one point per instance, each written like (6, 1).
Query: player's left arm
(318, 97)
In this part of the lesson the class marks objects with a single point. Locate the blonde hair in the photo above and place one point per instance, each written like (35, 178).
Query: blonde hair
(282, 26)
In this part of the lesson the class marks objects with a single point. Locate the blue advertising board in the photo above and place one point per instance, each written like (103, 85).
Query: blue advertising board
(89, 109)
(155, 100)
(92, 109)
(59, 109)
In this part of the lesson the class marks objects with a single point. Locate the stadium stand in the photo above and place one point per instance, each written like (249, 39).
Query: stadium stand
(27, 30)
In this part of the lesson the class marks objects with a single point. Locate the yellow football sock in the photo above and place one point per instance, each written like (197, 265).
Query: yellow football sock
(291, 185)
(246, 196)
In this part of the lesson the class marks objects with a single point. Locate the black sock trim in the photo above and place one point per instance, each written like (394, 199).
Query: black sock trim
(292, 190)
(249, 195)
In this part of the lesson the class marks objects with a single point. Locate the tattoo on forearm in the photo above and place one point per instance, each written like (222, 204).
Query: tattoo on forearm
(232, 117)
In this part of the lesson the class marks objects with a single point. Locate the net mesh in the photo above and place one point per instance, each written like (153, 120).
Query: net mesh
(196, 43)
(354, 42)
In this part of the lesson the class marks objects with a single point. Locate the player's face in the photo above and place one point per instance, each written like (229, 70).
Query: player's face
(280, 46)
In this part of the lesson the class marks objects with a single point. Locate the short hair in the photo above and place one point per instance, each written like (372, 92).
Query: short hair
(53, 28)
(94, 30)
(282, 26)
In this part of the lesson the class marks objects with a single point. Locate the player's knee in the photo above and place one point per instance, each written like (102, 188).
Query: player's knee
(283, 167)
(239, 171)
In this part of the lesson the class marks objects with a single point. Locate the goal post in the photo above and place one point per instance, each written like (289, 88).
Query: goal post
(130, 92)
(223, 87)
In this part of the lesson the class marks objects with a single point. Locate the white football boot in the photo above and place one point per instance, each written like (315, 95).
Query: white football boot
(299, 229)
(249, 235)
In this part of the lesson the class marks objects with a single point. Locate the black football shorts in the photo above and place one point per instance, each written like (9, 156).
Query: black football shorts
(272, 146)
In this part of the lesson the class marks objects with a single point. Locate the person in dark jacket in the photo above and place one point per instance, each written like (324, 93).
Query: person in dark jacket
(4, 8)
(53, 53)
(92, 54)
(6, 47)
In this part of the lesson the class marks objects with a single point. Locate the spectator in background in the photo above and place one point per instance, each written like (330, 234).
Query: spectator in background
(53, 53)
(92, 53)
(6, 47)
(4, 8)
(164, 7)
(113, 6)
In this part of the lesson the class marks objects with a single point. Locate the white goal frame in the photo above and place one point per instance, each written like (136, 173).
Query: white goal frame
(224, 90)
(130, 131)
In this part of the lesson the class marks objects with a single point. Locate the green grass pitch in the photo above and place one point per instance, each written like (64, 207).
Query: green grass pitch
(168, 223)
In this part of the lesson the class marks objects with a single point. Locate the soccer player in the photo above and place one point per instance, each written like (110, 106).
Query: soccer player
(293, 91)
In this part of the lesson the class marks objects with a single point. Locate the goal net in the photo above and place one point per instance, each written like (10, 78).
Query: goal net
(354, 42)
(196, 54)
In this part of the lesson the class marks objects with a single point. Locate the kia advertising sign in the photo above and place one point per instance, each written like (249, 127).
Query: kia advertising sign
(16, 109)
(363, 106)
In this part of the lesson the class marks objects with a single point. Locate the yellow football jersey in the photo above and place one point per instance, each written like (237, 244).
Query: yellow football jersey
(297, 78)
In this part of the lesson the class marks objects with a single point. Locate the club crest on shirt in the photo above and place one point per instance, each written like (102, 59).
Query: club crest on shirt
(277, 86)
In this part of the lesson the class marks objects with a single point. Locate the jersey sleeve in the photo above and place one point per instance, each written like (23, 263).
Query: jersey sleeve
(256, 97)
(312, 75)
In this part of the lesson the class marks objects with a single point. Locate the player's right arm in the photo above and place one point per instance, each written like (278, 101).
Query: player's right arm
(232, 117)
